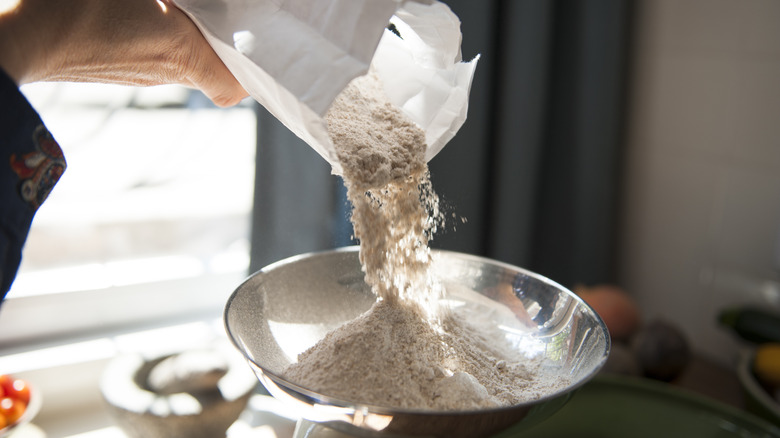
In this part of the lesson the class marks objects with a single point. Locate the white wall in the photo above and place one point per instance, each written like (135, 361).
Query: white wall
(701, 223)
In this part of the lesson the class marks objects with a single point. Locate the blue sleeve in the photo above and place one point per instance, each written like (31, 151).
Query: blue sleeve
(31, 162)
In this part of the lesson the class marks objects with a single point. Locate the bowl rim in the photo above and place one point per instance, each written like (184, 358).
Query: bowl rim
(325, 400)
(750, 383)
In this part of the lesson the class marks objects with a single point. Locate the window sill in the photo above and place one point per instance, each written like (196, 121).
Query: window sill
(68, 378)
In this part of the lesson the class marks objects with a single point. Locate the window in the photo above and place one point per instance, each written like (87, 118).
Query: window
(151, 219)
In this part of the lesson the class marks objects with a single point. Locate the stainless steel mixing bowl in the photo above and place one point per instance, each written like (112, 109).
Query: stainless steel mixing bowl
(290, 305)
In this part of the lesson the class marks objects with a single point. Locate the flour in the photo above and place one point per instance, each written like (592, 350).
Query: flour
(375, 142)
(406, 351)
(395, 211)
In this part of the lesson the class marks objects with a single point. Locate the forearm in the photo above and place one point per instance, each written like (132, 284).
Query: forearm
(131, 42)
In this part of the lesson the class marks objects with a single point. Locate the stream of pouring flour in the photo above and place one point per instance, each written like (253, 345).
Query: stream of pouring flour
(405, 352)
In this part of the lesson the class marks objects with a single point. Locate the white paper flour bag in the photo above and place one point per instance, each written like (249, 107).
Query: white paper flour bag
(295, 56)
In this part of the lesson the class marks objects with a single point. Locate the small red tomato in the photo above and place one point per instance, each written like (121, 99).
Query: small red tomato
(19, 390)
(5, 380)
(11, 409)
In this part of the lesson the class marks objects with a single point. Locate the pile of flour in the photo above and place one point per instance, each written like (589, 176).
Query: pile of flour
(405, 352)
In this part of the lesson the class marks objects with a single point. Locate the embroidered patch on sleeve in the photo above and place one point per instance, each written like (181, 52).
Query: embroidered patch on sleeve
(39, 170)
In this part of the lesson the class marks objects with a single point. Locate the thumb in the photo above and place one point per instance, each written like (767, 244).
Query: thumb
(217, 82)
(204, 70)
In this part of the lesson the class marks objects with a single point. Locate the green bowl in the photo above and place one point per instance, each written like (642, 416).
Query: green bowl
(612, 406)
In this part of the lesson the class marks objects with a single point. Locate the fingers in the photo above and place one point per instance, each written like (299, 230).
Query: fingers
(207, 72)
(219, 84)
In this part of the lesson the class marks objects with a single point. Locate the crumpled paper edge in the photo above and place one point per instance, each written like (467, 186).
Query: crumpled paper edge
(423, 73)
(439, 104)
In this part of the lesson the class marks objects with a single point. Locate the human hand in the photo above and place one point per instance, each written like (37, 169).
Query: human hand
(130, 42)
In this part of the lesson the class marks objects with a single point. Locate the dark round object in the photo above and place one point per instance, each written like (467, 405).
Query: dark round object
(662, 350)
(622, 361)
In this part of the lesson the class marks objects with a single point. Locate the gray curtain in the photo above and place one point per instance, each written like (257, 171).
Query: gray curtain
(298, 206)
(535, 169)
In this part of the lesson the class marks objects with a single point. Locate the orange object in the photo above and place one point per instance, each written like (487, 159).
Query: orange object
(11, 409)
(615, 307)
(18, 389)
(766, 364)
(5, 381)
